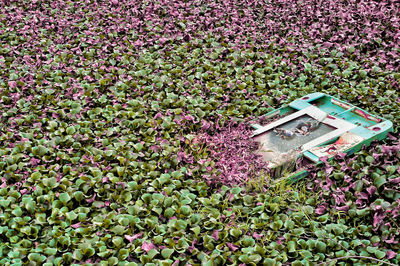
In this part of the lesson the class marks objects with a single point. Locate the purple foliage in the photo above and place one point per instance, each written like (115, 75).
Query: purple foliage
(147, 246)
(372, 189)
(233, 151)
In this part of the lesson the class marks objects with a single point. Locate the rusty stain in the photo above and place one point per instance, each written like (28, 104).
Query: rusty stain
(367, 116)
(343, 105)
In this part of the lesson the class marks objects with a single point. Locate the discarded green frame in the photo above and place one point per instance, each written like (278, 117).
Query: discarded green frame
(343, 128)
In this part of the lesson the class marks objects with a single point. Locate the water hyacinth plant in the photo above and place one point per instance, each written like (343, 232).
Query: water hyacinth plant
(119, 145)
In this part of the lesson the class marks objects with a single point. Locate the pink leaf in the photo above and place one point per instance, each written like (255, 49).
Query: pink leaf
(24, 191)
(12, 84)
(320, 209)
(394, 180)
(146, 246)
(231, 197)
(158, 115)
(392, 241)
(343, 208)
(77, 225)
(131, 238)
(378, 219)
(390, 254)
(257, 236)
(232, 246)
(191, 248)
(215, 235)
(371, 190)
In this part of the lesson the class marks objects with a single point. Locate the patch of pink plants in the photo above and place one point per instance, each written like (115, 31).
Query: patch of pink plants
(233, 151)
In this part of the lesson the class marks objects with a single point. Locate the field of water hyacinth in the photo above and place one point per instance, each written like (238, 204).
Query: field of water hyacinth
(125, 132)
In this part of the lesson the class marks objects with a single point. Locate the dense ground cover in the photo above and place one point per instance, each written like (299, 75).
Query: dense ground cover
(118, 141)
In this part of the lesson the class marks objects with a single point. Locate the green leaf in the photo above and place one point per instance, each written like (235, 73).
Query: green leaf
(169, 212)
(185, 210)
(270, 262)
(306, 254)
(356, 242)
(298, 231)
(276, 225)
(36, 257)
(120, 171)
(248, 241)
(307, 67)
(138, 146)
(369, 159)
(255, 258)
(244, 258)
(118, 241)
(167, 252)
(123, 253)
(79, 196)
(17, 212)
(235, 232)
(152, 253)
(5, 203)
(71, 130)
(50, 251)
(375, 239)
(112, 261)
(118, 229)
(358, 185)
(39, 150)
(391, 168)
(379, 181)
(289, 224)
(380, 254)
(372, 250)
(64, 197)
(50, 182)
(321, 246)
(196, 230)
(291, 246)
(71, 215)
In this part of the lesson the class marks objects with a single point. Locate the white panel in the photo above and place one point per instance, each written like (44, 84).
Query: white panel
(342, 126)
(327, 137)
(312, 111)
